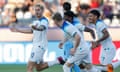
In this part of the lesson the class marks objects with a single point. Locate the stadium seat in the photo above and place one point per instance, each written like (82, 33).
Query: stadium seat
(115, 21)
(19, 15)
(107, 21)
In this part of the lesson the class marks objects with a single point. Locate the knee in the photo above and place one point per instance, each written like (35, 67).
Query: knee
(89, 66)
(29, 67)
(38, 68)
(67, 65)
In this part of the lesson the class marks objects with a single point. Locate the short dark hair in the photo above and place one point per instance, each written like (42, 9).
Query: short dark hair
(67, 6)
(41, 7)
(57, 16)
(69, 13)
(95, 12)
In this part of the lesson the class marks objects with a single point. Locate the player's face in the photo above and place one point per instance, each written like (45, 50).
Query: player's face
(91, 18)
(38, 11)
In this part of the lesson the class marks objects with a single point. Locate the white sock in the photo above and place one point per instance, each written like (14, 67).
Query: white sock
(82, 70)
(66, 68)
(116, 64)
(93, 69)
(51, 63)
(102, 68)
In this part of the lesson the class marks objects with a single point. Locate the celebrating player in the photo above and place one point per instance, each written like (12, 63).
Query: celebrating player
(80, 51)
(39, 30)
(108, 49)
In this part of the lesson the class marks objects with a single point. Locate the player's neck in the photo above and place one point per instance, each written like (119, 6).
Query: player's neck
(95, 22)
(61, 23)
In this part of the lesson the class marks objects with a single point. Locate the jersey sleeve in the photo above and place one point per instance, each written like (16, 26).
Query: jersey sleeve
(43, 23)
(71, 30)
(80, 27)
(102, 26)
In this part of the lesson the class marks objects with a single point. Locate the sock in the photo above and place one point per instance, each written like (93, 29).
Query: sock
(82, 70)
(66, 68)
(76, 68)
(116, 64)
(93, 69)
(51, 63)
(102, 68)
(71, 70)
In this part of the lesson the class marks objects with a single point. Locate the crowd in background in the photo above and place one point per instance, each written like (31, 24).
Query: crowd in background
(22, 11)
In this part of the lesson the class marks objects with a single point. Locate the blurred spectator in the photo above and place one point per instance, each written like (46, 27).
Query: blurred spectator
(84, 9)
(31, 9)
(19, 7)
(0, 17)
(116, 9)
(27, 4)
(107, 9)
(6, 16)
(95, 3)
(22, 10)
(2, 3)
(12, 18)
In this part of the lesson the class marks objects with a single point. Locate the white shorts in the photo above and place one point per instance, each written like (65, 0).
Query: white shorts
(79, 58)
(107, 54)
(37, 54)
(83, 56)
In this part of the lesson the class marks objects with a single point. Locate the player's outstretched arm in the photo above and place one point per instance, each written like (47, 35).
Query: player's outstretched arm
(91, 32)
(39, 28)
(39, 25)
(14, 28)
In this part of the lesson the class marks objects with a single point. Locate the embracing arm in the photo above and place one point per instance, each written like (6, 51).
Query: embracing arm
(105, 35)
(91, 32)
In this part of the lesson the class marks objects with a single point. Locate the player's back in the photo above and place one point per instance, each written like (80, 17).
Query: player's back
(40, 37)
(69, 29)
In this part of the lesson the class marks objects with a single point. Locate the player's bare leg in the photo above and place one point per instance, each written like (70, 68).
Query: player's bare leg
(67, 66)
(30, 66)
(42, 66)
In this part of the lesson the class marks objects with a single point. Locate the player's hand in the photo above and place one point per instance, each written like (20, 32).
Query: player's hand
(32, 26)
(72, 51)
(60, 45)
(95, 44)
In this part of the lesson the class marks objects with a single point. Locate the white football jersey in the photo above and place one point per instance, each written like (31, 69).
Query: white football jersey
(78, 25)
(100, 26)
(40, 37)
(70, 31)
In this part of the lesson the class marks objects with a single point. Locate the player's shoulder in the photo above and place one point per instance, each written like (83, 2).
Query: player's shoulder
(66, 26)
(100, 23)
(43, 19)
(76, 20)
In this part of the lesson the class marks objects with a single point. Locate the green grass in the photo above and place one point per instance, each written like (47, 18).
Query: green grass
(22, 68)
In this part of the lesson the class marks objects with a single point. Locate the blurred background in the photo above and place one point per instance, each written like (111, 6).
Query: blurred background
(15, 47)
